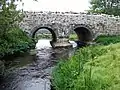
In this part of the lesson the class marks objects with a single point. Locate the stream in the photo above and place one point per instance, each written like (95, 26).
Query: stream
(33, 72)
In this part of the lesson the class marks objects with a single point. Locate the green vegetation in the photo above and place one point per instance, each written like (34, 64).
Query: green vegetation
(91, 68)
(73, 37)
(110, 7)
(106, 40)
(12, 39)
(41, 36)
(15, 42)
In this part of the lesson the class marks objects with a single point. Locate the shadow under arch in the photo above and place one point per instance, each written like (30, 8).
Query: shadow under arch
(54, 37)
(84, 34)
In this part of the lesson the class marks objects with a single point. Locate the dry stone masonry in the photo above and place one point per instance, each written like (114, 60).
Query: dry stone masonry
(61, 24)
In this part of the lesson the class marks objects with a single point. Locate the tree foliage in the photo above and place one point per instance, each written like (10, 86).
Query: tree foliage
(12, 39)
(111, 7)
(9, 16)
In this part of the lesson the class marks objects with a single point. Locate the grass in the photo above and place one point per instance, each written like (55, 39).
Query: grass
(91, 68)
(73, 37)
(106, 40)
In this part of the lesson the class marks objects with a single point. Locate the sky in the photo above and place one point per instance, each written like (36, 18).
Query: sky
(55, 5)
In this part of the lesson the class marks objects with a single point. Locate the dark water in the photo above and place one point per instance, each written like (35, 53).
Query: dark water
(32, 72)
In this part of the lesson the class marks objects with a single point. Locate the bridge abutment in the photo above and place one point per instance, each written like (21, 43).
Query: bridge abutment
(61, 42)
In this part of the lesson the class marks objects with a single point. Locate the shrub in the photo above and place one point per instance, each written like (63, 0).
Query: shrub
(16, 41)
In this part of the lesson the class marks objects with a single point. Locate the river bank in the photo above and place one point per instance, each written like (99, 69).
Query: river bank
(91, 68)
(16, 43)
(34, 72)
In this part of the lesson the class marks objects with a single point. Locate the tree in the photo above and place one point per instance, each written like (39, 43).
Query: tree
(9, 16)
(111, 7)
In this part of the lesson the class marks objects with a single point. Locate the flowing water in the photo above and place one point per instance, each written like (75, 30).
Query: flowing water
(32, 72)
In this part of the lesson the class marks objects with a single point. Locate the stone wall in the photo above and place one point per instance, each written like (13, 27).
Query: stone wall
(66, 22)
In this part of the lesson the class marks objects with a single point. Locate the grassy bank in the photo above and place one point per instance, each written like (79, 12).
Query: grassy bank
(91, 68)
(102, 39)
(16, 41)
(106, 40)
(73, 37)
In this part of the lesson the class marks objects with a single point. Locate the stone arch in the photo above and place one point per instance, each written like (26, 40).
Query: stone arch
(83, 32)
(35, 29)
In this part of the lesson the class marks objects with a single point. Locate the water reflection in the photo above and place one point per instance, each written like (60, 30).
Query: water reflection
(33, 72)
(43, 43)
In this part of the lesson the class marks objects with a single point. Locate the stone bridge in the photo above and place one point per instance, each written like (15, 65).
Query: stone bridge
(86, 26)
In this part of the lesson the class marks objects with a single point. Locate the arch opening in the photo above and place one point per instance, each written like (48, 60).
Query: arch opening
(43, 30)
(83, 34)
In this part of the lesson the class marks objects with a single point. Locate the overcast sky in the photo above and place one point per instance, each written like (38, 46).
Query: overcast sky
(56, 5)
